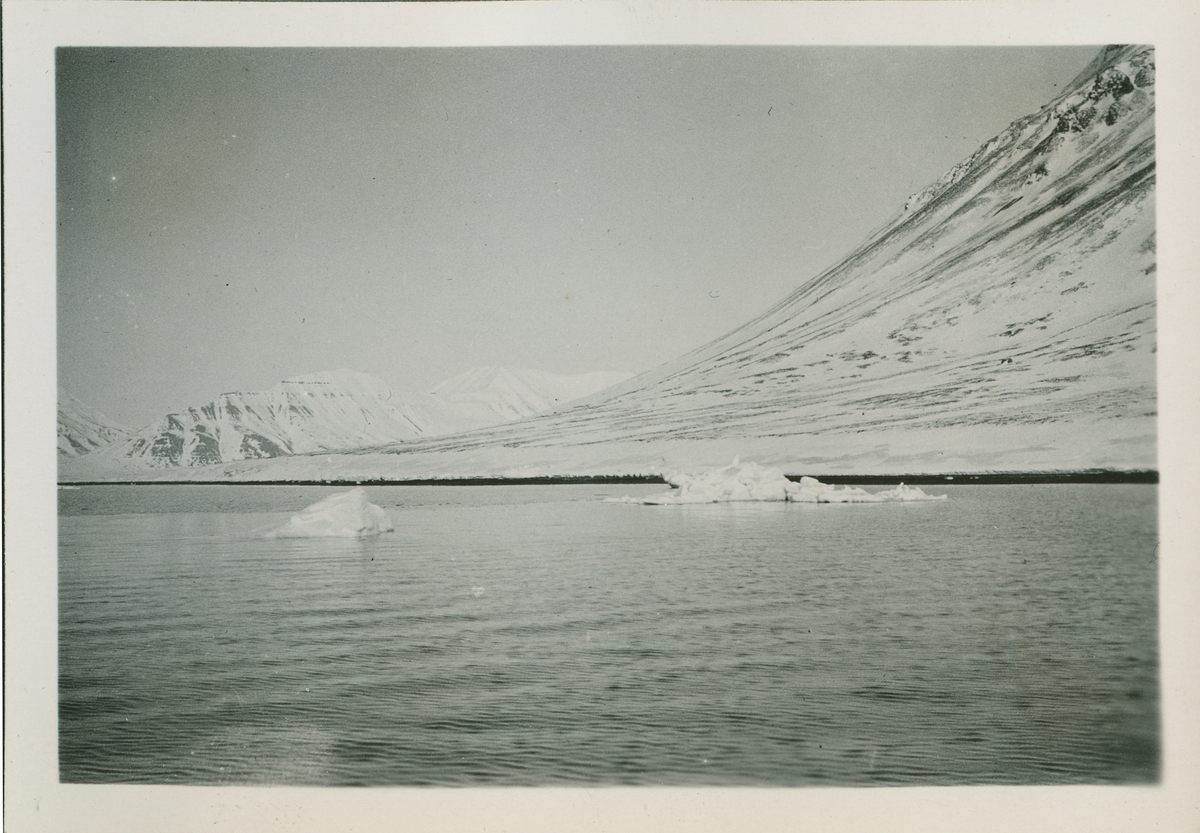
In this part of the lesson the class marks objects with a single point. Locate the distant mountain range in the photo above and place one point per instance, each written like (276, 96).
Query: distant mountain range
(1002, 320)
(321, 412)
(82, 429)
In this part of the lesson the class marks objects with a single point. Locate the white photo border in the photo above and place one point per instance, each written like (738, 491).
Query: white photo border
(35, 801)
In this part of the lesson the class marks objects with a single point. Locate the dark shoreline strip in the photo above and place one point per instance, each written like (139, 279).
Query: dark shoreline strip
(993, 479)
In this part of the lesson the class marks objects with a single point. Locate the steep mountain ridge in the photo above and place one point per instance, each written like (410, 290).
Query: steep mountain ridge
(1004, 239)
(1004, 319)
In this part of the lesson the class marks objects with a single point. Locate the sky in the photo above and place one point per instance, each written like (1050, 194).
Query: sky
(229, 218)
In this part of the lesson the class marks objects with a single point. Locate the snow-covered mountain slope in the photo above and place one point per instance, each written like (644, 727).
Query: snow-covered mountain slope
(339, 410)
(1012, 300)
(82, 429)
(1003, 319)
(515, 394)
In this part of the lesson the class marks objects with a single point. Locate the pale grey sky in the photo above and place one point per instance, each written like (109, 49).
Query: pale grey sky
(232, 217)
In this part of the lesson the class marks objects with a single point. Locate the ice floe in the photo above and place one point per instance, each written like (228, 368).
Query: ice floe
(903, 492)
(752, 482)
(343, 515)
(811, 490)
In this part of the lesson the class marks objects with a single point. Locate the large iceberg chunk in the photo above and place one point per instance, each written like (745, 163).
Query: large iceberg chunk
(736, 482)
(344, 515)
(752, 482)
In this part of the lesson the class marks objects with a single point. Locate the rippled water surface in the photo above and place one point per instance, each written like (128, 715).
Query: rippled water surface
(536, 635)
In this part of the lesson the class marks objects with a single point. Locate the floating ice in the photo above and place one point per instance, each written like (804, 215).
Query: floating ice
(344, 515)
(811, 490)
(752, 482)
(736, 482)
(903, 492)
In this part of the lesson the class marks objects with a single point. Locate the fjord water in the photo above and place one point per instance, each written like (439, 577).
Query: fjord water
(532, 635)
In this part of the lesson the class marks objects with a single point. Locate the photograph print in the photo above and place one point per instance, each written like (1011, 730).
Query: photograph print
(607, 415)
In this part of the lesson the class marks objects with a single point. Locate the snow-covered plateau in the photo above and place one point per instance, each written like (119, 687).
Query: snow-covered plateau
(344, 515)
(1002, 320)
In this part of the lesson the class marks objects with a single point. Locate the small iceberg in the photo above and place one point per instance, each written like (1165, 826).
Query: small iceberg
(344, 515)
(752, 482)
